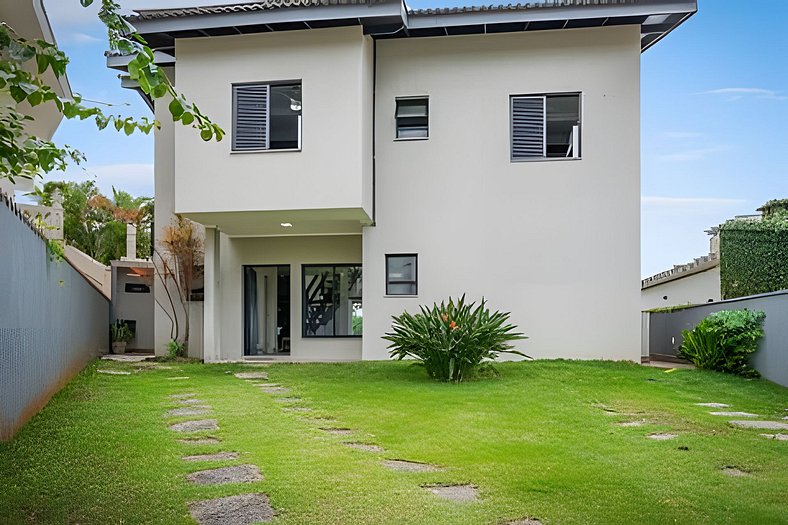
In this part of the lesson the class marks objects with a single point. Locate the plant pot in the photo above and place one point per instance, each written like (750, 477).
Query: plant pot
(119, 347)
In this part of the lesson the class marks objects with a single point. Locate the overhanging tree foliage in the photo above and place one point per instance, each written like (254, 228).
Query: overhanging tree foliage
(754, 254)
(23, 64)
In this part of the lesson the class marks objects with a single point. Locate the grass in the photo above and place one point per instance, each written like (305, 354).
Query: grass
(540, 441)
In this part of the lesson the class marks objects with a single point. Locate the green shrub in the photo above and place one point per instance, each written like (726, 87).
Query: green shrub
(724, 341)
(453, 339)
(121, 332)
(176, 349)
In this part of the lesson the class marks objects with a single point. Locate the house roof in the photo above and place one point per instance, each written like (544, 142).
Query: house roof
(393, 19)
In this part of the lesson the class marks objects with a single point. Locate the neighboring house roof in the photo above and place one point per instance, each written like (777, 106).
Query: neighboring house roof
(699, 265)
(393, 19)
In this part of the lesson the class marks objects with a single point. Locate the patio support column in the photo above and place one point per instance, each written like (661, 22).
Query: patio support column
(211, 296)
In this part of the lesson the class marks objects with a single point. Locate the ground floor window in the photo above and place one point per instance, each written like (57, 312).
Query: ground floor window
(266, 310)
(332, 300)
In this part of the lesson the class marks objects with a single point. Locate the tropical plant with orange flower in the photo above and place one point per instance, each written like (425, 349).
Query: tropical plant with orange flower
(453, 339)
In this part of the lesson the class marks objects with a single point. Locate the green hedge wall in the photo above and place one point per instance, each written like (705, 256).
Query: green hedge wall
(753, 256)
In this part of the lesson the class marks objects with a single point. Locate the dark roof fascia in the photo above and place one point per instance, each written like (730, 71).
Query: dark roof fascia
(378, 10)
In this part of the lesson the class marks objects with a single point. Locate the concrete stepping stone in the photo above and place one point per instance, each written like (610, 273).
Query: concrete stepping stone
(245, 509)
(287, 399)
(365, 447)
(206, 440)
(114, 372)
(297, 409)
(735, 472)
(778, 437)
(337, 431)
(764, 425)
(456, 493)
(734, 414)
(275, 389)
(628, 424)
(219, 456)
(182, 396)
(713, 405)
(524, 521)
(220, 476)
(195, 426)
(662, 436)
(190, 401)
(179, 378)
(402, 465)
(251, 375)
(196, 410)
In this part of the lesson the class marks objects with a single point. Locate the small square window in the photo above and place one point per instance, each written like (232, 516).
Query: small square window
(402, 274)
(267, 116)
(413, 118)
(545, 126)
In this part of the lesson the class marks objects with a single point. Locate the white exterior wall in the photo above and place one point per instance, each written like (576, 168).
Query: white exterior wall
(333, 169)
(557, 243)
(698, 288)
(295, 252)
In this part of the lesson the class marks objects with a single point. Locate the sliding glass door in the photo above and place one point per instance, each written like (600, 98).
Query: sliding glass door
(266, 310)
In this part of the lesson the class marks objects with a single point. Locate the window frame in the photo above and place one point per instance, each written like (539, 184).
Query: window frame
(415, 281)
(234, 108)
(546, 95)
(334, 266)
(397, 138)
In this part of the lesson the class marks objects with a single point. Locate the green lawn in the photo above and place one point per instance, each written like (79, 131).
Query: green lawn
(536, 441)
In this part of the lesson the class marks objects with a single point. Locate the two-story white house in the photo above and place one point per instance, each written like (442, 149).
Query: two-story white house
(378, 158)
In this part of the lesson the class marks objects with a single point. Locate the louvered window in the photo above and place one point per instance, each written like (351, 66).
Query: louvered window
(266, 116)
(545, 126)
(412, 117)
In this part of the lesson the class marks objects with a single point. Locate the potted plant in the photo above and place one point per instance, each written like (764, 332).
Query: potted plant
(121, 335)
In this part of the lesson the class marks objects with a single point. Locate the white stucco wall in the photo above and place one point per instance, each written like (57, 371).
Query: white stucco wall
(292, 251)
(555, 242)
(698, 288)
(333, 169)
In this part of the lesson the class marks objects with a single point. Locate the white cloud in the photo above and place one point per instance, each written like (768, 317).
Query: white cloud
(136, 179)
(737, 93)
(691, 154)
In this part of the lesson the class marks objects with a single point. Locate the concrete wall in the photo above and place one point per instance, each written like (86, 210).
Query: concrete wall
(556, 242)
(98, 274)
(52, 323)
(293, 251)
(697, 288)
(134, 306)
(771, 359)
(333, 168)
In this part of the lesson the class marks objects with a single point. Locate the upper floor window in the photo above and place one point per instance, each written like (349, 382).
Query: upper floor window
(413, 114)
(267, 116)
(545, 126)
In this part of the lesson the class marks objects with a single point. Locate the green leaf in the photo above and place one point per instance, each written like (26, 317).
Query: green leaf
(187, 118)
(206, 134)
(176, 108)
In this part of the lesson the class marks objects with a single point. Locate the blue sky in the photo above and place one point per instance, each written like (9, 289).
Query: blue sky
(714, 119)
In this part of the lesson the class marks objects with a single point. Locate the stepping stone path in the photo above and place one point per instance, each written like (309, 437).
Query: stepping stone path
(524, 521)
(735, 472)
(364, 447)
(733, 414)
(457, 493)
(220, 476)
(200, 441)
(219, 456)
(245, 509)
(275, 389)
(287, 399)
(713, 405)
(778, 437)
(178, 378)
(190, 401)
(251, 375)
(662, 437)
(409, 466)
(765, 425)
(181, 396)
(338, 431)
(114, 372)
(195, 426)
(297, 409)
(196, 410)
(632, 424)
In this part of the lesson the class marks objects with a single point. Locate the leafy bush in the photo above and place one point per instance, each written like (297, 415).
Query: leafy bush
(121, 332)
(176, 349)
(453, 339)
(724, 341)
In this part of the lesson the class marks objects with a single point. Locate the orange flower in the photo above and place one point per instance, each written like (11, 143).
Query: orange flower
(453, 325)
(445, 317)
